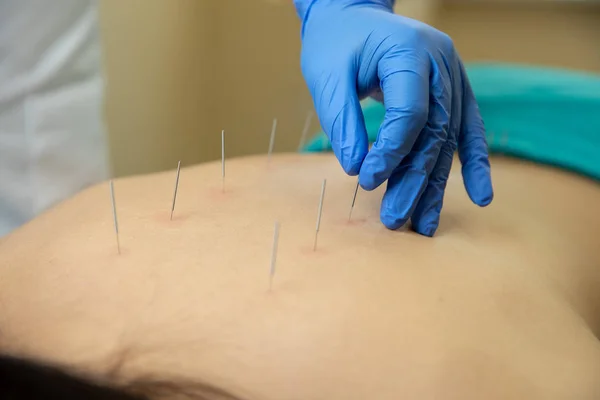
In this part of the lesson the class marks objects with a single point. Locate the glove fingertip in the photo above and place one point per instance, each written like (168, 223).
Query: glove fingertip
(478, 183)
(371, 174)
(485, 199)
(349, 139)
(427, 230)
(366, 181)
(352, 163)
(426, 218)
(352, 170)
(392, 222)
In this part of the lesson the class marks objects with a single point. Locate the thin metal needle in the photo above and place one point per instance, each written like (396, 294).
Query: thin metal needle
(354, 199)
(307, 123)
(176, 187)
(114, 208)
(274, 255)
(272, 141)
(223, 160)
(319, 213)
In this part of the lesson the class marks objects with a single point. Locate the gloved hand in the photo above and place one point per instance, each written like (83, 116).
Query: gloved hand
(355, 48)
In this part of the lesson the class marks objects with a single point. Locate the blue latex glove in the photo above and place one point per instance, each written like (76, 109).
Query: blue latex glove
(355, 48)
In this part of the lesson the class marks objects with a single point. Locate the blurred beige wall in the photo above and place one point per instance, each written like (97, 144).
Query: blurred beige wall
(158, 62)
(258, 56)
(423, 10)
(541, 32)
(179, 71)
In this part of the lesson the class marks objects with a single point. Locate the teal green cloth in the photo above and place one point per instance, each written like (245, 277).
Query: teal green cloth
(545, 115)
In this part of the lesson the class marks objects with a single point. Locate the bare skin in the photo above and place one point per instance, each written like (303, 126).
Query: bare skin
(504, 303)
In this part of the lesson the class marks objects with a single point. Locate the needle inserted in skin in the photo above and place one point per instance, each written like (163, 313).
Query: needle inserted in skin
(176, 186)
(114, 208)
(319, 213)
(354, 199)
(274, 255)
(223, 160)
(307, 123)
(272, 141)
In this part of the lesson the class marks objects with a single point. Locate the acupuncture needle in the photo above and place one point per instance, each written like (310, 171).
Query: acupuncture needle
(223, 160)
(319, 213)
(176, 187)
(114, 209)
(354, 199)
(272, 141)
(274, 255)
(307, 123)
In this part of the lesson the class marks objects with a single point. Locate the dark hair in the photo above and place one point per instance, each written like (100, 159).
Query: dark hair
(22, 379)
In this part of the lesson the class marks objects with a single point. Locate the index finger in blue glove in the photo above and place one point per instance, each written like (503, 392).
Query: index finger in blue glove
(339, 111)
(473, 150)
(404, 77)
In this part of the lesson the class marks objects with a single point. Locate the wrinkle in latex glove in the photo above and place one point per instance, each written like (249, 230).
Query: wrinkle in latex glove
(352, 49)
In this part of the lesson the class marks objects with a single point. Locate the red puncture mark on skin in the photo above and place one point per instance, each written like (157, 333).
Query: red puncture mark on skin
(270, 167)
(164, 218)
(354, 222)
(116, 255)
(309, 250)
(219, 193)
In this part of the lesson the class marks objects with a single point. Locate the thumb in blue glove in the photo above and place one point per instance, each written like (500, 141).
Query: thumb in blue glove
(355, 48)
